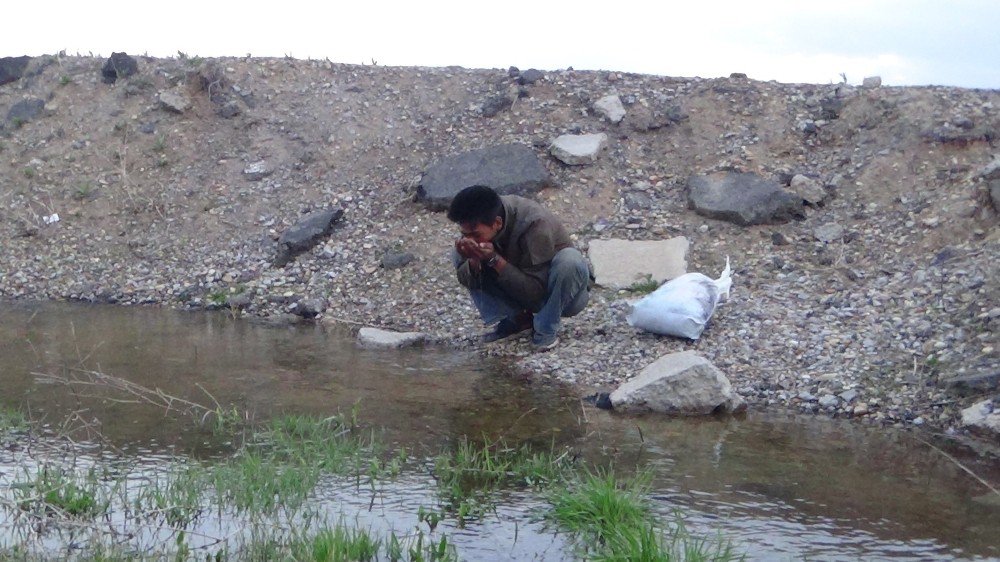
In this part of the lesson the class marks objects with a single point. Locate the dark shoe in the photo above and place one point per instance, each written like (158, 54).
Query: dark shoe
(507, 328)
(544, 343)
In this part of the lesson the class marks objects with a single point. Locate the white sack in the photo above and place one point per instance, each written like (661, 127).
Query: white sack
(682, 306)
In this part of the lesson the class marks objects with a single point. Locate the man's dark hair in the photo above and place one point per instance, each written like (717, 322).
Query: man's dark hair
(476, 204)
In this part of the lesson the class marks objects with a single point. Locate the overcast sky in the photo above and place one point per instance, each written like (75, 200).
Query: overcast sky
(906, 42)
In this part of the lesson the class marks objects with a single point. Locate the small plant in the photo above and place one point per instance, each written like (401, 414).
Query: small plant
(55, 491)
(11, 421)
(644, 286)
(83, 191)
(160, 144)
(28, 172)
(469, 475)
(65, 80)
(218, 297)
(17, 122)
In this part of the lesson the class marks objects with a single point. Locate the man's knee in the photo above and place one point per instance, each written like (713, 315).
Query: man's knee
(569, 265)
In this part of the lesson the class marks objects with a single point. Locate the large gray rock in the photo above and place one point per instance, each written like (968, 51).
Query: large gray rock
(611, 108)
(577, 150)
(683, 383)
(386, 339)
(982, 416)
(619, 264)
(808, 189)
(744, 199)
(176, 100)
(305, 234)
(507, 168)
(12, 68)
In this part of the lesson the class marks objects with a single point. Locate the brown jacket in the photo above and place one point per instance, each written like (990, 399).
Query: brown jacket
(530, 237)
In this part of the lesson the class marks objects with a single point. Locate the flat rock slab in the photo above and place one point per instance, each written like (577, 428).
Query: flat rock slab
(305, 234)
(619, 264)
(683, 383)
(577, 150)
(744, 199)
(387, 339)
(510, 169)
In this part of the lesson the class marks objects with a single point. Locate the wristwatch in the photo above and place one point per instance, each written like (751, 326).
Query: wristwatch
(493, 260)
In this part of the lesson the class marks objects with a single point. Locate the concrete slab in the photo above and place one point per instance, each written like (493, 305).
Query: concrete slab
(619, 264)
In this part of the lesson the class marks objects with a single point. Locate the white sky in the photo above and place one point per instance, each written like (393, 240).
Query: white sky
(906, 42)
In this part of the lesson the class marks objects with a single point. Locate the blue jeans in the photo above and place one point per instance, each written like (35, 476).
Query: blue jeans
(566, 295)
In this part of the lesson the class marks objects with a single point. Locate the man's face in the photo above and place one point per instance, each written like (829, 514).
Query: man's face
(479, 232)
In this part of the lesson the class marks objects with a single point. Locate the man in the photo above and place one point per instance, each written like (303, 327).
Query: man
(518, 263)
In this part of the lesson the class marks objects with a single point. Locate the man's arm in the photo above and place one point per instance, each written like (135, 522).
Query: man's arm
(527, 284)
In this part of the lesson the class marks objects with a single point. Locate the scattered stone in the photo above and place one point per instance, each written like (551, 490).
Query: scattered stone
(507, 168)
(808, 189)
(849, 396)
(175, 100)
(12, 68)
(386, 339)
(577, 150)
(396, 260)
(637, 200)
(610, 107)
(230, 109)
(995, 194)
(871, 82)
(619, 264)
(828, 401)
(258, 171)
(683, 383)
(530, 76)
(779, 239)
(310, 308)
(495, 104)
(118, 65)
(305, 234)
(744, 199)
(830, 232)
(239, 301)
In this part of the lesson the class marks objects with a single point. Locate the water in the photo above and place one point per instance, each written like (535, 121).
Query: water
(780, 487)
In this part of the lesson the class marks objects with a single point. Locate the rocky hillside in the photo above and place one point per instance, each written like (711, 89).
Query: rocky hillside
(170, 181)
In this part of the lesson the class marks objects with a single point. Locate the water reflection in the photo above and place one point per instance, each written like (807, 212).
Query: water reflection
(780, 487)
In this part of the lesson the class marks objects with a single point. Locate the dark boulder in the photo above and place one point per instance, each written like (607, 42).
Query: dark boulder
(12, 68)
(396, 260)
(119, 65)
(507, 168)
(305, 234)
(744, 199)
(25, 110)
(530, 76)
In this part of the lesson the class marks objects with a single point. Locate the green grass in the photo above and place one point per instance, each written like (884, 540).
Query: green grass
(344, 544)
(611, 520)
(57, 491)
(283, 461)
(644, 286)
(11, 421)
(469, 474)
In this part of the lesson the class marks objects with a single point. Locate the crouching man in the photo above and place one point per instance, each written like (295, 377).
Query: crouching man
(518, 263)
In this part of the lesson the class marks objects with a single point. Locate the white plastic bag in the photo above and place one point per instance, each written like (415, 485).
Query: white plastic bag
(682, 306)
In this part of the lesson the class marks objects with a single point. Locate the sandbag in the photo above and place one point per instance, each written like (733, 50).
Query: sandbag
(682, 306)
